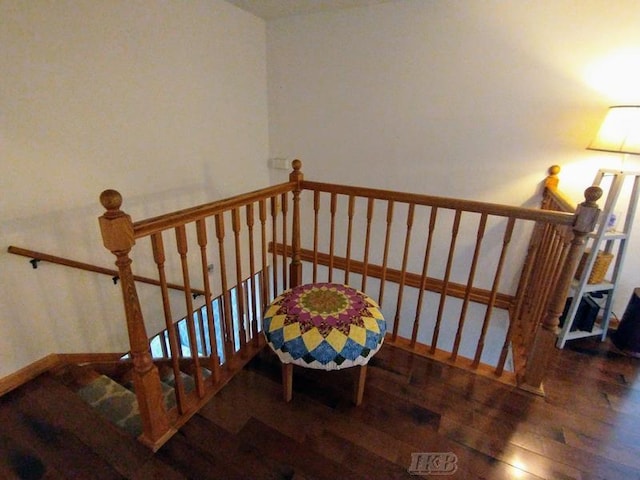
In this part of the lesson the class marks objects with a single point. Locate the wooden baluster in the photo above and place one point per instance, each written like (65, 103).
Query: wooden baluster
(517, 320)
(274, 240)
(181, 240)
(174, 344)
(351, 211)
(383, 277)
(407, 244)
(296, 262)
(285, 245)
(445, 281)
(229, 334)
(332, 236)
(252, 271)
(235, 221)
(534, 301)
(264, 273)
(423, 278)
(367, 244)
(467, 294)
(201, 229)
(543, 346)
(494, 291)
(118, 237)
(316, 213)
(551, 259)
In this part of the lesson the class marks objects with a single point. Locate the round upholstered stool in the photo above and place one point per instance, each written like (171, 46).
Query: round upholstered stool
(325, 326)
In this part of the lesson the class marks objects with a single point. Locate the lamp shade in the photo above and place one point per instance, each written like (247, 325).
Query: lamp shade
(620, 131)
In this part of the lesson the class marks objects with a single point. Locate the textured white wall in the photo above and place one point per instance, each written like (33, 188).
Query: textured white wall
(464, 99)
(166, 103)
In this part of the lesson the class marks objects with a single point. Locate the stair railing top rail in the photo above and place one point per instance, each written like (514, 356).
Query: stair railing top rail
(525, 213)
(152, 225)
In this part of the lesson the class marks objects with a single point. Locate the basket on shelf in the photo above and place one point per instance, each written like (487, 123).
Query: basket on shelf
(600, 266)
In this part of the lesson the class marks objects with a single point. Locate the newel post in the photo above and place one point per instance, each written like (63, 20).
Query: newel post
(543, 347)
(295, 268)
(118, 237)
(552, 179)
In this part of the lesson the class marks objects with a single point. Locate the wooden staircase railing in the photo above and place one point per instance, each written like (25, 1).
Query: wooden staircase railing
(179, 248)
(422, 254)
(553, 256)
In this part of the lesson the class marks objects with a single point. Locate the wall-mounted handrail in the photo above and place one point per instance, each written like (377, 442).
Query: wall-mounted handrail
(39, 256)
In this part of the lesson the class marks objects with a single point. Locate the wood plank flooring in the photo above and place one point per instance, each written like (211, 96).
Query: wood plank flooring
(587, 426)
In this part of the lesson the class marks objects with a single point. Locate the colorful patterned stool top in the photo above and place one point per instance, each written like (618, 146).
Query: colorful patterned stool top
(325, 326)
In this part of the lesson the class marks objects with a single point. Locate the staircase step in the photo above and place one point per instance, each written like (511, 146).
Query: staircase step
(49, 432)
(114, 402)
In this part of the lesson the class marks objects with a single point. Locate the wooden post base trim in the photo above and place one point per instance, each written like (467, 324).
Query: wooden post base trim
(535, 390)
(359, 385)
(287, 381)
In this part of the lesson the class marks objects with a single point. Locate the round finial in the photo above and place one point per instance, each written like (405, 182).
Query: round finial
(111, 200)
(554, 169)
(296, 164)
(593, 194)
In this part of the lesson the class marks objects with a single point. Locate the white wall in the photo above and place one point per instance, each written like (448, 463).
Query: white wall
(165, 102)
(466, 99)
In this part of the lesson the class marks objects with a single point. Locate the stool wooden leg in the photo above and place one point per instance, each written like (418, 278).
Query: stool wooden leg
(287, 381)
(359, 386)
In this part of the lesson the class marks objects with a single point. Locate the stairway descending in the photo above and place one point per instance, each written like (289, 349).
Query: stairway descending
(115, 399)
(48, 431)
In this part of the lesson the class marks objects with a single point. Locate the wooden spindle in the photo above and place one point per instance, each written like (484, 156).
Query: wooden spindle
(181, 240)
(556, 247)
(201, 229)
(423, 278)
(405, 256)
(274, 240)
(543, 346)
(252, 271)
(506, 240)
(445, 281)
(316, 213)
(159, 257)
(332, 235)
(285, 239)
(295, 269)
(235, 222)
(385, 256)
(367, 244)
(296, 261)
(117, 236)
(467, 294)
(264, 273)
(518, 320)
(227, 321)
(350, 213)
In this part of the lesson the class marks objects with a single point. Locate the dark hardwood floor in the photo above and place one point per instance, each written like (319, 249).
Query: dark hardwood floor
(587, 426)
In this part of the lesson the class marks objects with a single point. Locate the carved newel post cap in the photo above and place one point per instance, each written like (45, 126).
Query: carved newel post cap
(296, 165)
(111, 200)
(592, 195)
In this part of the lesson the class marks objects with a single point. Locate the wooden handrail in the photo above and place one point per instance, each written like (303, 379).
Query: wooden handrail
(89, 267)
(524, 213)
(157, 224)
